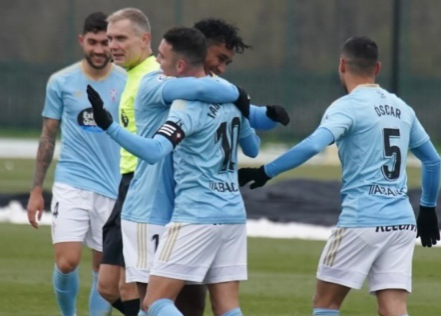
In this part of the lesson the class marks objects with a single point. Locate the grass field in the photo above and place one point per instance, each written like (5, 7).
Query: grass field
(281, 278)
(281, 272)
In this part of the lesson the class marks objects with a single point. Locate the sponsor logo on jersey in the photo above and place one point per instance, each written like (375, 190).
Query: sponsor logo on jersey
(382, 229)
(87, 122)
(376, 189)
(223, 187)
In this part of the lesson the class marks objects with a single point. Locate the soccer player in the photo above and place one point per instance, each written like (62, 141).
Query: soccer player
(85, 190)
(129, 41)
(375, 234)
(223, 43)
(209, 207)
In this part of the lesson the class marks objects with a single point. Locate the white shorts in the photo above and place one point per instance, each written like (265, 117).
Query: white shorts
(383, 254)
(140, 242)
(212, 253)
(79, 215)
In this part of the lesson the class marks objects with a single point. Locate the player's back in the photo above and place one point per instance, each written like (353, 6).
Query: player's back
(373, 154)
(205, 163)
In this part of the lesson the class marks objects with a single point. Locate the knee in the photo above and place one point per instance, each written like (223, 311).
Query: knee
(66, 266)
(108, 291)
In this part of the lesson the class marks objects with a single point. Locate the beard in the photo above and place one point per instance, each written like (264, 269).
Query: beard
(89, 59)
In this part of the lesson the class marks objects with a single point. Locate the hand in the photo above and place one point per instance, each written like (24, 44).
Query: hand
(102, 118)
(258, 175)
(278, 114)
(243, 102)
(427, 226)
(35, 207)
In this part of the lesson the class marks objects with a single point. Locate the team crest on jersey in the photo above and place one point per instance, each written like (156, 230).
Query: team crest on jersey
(163, 77)
(113, 94)
(87, 122)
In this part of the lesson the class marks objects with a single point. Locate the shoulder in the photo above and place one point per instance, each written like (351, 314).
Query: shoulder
(64, 73)
(343, 103)
(119, 71)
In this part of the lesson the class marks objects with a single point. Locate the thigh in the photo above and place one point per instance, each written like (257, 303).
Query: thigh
(392, 302)
(393, 267)
(230, 261)
(70, 213)
(186, 251)
(101, 208)
(140, 242)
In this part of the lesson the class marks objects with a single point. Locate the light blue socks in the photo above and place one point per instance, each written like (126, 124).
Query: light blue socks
(234, 312)
(98, 306)
(164, 307)
(325, 312)
(66, 290)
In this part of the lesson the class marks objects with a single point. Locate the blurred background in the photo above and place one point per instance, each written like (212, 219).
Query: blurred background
(293, 62)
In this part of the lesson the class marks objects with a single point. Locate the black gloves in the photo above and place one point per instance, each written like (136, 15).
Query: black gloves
(243, 102)
(102, 118)
(427, 226)
(257, 175)
(277, 114)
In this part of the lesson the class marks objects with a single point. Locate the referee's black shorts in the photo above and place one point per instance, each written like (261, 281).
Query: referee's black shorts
(112, 236)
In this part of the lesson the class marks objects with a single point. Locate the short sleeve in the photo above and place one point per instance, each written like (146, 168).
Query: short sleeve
(53, 105)
(338, 119)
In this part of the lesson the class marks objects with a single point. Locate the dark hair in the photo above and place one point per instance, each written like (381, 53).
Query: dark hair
(361, 55)
(188, 42)
(95, 22)
(218, 31)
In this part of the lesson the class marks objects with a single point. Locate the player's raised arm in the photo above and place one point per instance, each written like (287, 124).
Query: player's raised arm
(249, 141)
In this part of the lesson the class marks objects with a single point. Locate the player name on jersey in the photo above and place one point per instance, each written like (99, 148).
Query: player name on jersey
(387, 110)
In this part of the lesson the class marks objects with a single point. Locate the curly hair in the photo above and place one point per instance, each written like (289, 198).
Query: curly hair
(219, 31)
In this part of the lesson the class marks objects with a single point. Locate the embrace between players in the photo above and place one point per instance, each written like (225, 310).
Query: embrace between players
(171, 227)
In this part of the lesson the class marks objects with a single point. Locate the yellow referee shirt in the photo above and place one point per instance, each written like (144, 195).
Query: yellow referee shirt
(127, 110)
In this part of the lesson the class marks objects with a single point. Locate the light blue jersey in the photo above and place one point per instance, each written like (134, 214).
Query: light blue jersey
(150, 198)
(205, 162)
(373, 130)
(89, 160)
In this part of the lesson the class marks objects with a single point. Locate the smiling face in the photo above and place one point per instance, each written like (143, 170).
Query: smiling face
(127, 44)
(218, 58)
(95, 48)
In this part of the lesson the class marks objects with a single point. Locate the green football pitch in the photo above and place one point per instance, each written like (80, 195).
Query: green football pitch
(281, 271)
(281, 278)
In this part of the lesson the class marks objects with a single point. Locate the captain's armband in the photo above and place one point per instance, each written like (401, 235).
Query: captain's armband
(172, 131)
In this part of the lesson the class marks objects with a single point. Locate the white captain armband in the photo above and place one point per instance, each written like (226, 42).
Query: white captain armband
(172, 131)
